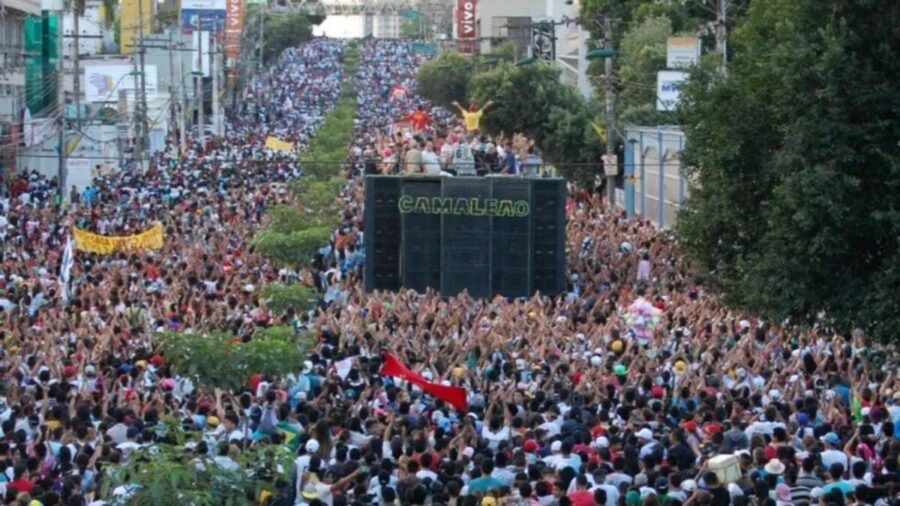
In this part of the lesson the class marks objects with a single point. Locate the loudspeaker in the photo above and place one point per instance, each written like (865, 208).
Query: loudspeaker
(420, 250)
(510, 254)
(548, 224)
(382, 234)
(465, 257)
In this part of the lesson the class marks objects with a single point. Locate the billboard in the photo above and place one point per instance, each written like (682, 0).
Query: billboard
(234, 26)
(104, 82)
(204, 15)
(135, 15)
(668, 89)
(682, 52)
(465, 19)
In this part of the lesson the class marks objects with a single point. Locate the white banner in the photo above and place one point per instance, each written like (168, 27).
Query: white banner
(668, 89)
(103, 82)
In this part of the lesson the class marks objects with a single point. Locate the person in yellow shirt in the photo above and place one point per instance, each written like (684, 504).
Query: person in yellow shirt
(472, 117)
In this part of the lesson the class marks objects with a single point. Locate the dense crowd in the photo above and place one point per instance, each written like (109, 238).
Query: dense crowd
(635, 387)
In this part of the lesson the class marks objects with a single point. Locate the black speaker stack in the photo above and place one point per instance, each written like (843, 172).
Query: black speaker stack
(487, 235)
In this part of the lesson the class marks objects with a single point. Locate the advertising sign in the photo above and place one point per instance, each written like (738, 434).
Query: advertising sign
(682, 52)
(135, 16)
(668, 89)
(103, 82)
(465, 19)
(205, 15)
(234, 25)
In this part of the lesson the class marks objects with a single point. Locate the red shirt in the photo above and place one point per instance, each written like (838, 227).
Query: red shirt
(582, 498)
(22, 486)
(419, 120)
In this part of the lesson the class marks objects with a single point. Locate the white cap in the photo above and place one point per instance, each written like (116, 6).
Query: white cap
(556, 447)
(601, 442)
(468, 451)
(596, 361)
(644, 433)
(744, 324)
(249, 288)
(520, 364)
(312, 446)
(689, 485)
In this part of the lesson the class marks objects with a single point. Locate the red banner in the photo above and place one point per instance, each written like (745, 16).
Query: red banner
(455, 396)
(465, 19)
(234, 26)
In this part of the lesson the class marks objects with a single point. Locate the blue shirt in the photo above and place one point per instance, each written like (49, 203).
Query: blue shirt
(844, 486)
(484, 484)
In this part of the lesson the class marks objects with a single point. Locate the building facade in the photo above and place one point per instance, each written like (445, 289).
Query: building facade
(12, 72)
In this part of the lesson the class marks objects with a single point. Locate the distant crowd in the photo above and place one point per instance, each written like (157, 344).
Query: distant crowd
(634, 387)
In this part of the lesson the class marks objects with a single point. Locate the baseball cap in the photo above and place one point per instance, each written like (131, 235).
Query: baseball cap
(644, 433)
(831, 438)
(312, 446)
(530, 446)
(620, 370)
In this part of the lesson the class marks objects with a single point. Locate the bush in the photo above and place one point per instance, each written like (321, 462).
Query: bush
(296, 249)
(220, 360)
(295, 298)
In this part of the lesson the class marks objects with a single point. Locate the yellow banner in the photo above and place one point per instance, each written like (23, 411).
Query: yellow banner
(95, 243)
(278, 144)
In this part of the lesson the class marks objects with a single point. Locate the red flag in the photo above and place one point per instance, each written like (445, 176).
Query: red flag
(455, 396)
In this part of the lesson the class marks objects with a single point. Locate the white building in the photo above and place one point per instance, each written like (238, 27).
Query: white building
(504, 19)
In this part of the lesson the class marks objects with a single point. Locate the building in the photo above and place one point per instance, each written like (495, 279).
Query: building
(387, 26)
(502, 20)
(12, 72)
(655, 184)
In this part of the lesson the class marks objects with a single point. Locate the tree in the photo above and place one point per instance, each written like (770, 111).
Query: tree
(170, 473)
(220, 360)
(445, 78)
(643, 53)
(284, 29)
(794, 211)
(524, 97)
(411, 28)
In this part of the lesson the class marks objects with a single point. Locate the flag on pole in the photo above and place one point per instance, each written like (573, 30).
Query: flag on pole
(65, 269)
(455, 396)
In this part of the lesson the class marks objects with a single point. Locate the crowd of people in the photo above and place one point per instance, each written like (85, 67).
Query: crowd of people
(635, 387)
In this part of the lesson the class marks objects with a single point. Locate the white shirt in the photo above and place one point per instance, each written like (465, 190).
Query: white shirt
(834, 457)
(494, 438)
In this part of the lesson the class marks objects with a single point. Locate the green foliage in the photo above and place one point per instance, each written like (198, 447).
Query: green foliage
(504, 52)
(794, 210)
(327, 153)
(525, 96)
(571, 143)
(219, 360)
(410, 28)
(284, 29)
(166, 16)
(297, 249)
(294, 298)
(643, 53)
(172, 474)
(445, 78)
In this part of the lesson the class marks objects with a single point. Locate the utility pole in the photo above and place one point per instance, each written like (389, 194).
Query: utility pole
(61, 98)
(76, 81)
(200, 131)
(262, 37)
(137, 147)
(172, 97)
(182, 130)
(214, 68)
(610, 113)
(722, 34)
(145, 133)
